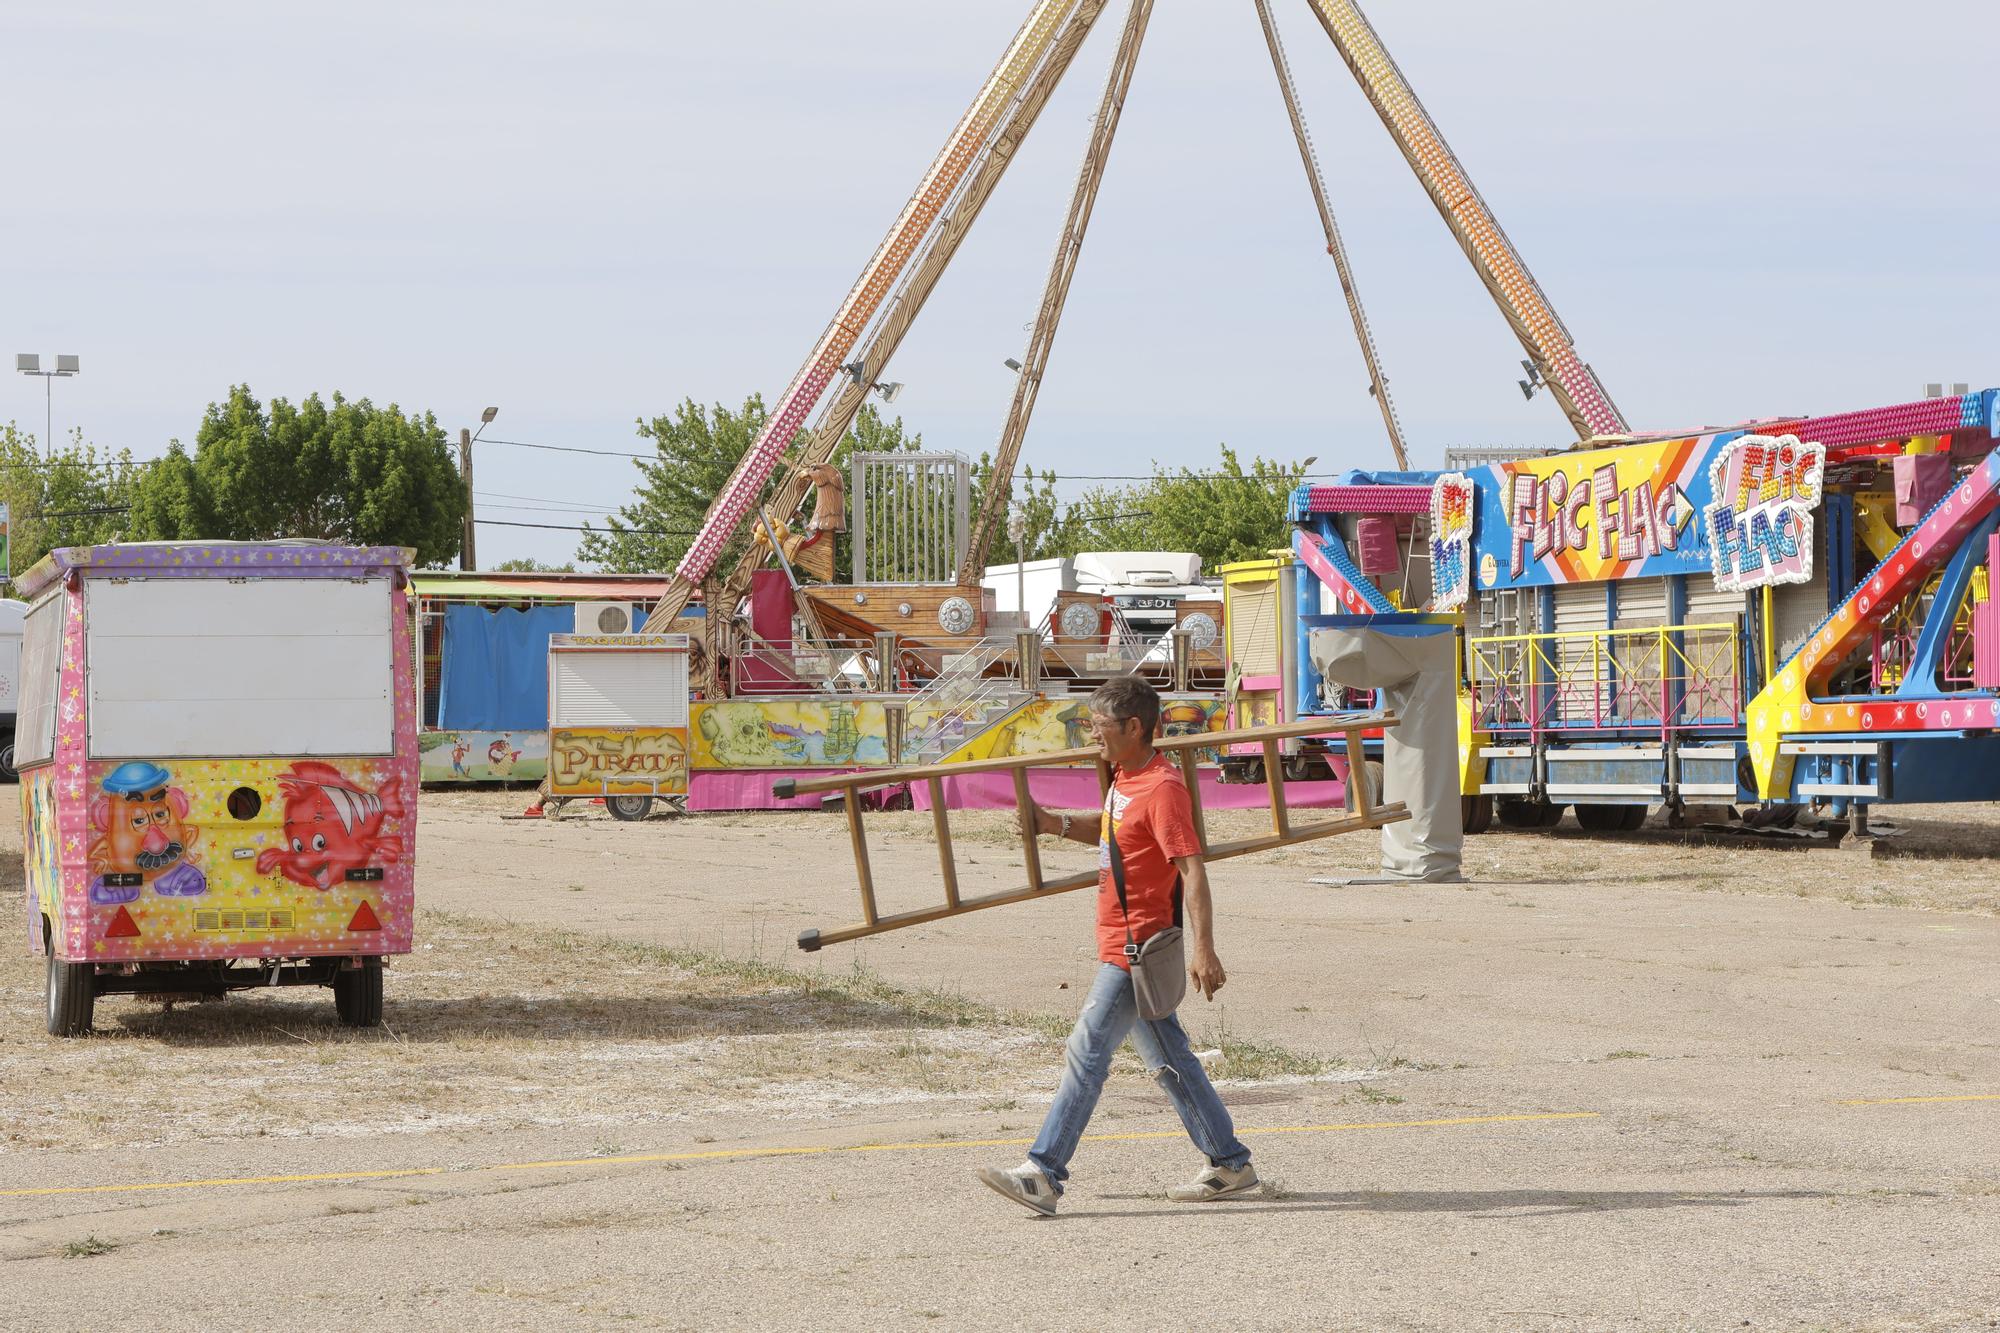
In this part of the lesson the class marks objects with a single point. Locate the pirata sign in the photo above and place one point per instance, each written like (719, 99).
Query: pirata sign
(618, 761)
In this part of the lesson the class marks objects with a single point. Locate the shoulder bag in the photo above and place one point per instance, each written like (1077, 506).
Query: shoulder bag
(1159, 966)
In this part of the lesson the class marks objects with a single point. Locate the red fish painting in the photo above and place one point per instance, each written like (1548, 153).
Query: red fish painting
(332, 826)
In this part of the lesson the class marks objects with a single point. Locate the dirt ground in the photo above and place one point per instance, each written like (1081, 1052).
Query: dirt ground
(1655, 1080)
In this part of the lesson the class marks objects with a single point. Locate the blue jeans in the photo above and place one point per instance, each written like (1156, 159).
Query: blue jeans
(1109, 1013)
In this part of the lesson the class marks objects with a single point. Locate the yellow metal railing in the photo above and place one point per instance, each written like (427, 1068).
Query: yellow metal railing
(1660, 678)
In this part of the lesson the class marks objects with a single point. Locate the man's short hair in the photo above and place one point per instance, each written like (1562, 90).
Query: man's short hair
(1124, 697)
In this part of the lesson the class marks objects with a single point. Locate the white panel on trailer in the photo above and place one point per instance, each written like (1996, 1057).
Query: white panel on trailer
(614, 687)
(1253, 626)
(1640, 670)
(41, 654)
(1642, 602)
(1797, 608)
(1583, 695)
(10, 672)
(209, 668)
(1709, 605)
(13, 617)
(1580, 606)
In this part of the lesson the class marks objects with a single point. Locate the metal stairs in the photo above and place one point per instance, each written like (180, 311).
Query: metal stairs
(961, 703)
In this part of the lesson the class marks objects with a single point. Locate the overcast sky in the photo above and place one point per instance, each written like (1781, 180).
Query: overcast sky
(586, 213)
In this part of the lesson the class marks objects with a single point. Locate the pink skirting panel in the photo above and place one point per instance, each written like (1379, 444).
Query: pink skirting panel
(1076, 789)
(752, 790)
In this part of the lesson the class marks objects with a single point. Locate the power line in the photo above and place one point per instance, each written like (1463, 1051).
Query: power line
(658, 532)
(47, 464)
(572, 527)
(552, 509)
(82, 513)
(569, 449)
(539, 499)
(1026, 474)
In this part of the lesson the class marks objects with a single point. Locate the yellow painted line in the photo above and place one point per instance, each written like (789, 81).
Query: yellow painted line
(724, 1154)
(1905, 1101)
(224, 1180)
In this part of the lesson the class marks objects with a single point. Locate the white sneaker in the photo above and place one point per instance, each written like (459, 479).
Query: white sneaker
(1025, 1185)
(1216, 1182)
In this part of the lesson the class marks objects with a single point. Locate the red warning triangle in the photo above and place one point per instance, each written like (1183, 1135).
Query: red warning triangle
(122, 926)
(364, 918)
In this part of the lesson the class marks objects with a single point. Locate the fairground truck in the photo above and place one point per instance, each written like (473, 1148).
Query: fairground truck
(618, 721)
(217, 745)
(1793, 612)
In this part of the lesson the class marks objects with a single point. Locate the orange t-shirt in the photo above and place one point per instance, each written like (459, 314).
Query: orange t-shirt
(1150, 815)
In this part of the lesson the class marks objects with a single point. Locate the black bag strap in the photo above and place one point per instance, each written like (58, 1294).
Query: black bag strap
(1118, 871)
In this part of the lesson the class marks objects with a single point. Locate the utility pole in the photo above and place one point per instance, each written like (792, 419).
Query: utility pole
(467, 557)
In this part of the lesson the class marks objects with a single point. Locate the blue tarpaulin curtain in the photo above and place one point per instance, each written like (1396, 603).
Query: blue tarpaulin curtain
(495, 674)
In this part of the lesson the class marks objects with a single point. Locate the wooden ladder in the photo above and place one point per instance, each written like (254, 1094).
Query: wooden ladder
(1365, 814)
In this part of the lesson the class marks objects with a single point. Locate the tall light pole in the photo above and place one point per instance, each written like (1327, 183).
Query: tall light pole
(1017, 528)
(468, 557)
(30, 363)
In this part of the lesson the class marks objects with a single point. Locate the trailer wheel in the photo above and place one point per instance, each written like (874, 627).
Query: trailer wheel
(1529, 814)
(71, 994)
(1635, 818)
(629, 807)
(1476, 813)
(1601, 818)
(1371, 774)
(357, 994)
(8, 773)
(1298, 768)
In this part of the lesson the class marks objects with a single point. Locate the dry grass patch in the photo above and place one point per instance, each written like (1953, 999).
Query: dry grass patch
(493, 1026)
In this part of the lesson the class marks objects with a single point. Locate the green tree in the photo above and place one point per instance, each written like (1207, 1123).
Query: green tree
(522, 564)
(76, 495)
(1053, 527)
(695, 450)
(1226, 514)
(1223, 516)
(344, 471)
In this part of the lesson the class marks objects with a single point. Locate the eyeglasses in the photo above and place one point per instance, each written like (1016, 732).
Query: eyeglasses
(1100, 723)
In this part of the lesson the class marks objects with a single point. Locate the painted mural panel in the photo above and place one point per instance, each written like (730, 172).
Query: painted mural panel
(618, 761)
(1039, 726)
(787, 733)
(484, 756)
(1043, 726)
(1259, 708)
(224, 858)
(41, 843)
(1630, 512)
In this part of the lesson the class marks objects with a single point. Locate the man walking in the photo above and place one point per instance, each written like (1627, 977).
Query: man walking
(1149, 813)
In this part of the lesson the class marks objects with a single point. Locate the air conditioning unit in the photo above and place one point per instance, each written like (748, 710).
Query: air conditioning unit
(604, 618)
